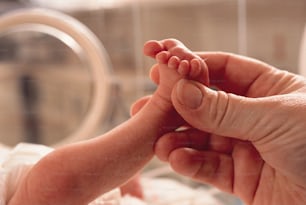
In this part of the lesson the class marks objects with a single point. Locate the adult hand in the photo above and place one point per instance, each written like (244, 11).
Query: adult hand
(247, 137)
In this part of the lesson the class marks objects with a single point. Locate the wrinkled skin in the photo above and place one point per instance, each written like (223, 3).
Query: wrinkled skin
(248, 138)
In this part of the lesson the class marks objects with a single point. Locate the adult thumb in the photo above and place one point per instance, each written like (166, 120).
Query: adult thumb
(222, 113)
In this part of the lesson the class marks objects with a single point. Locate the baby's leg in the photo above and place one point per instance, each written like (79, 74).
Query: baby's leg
(175, 62)
(78, 173)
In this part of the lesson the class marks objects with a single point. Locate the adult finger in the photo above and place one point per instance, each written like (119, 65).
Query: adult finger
(191, 138)
(238, 173)
(225, 114)
(204, 166)
(237, 74)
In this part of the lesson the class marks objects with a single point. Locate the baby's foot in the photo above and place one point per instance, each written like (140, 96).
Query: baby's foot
(175, 62)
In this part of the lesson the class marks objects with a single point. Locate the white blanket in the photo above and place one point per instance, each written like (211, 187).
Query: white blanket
(15, 163)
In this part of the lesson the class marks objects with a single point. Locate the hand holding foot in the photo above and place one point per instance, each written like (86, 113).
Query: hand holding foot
(175, 62)
(246, 138)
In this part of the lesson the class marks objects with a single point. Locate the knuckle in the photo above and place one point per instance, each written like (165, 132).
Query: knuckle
(218, 110)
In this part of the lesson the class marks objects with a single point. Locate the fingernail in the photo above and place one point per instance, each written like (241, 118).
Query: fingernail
(189, 94)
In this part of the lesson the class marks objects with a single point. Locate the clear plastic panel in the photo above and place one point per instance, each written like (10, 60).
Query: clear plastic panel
(55, 78)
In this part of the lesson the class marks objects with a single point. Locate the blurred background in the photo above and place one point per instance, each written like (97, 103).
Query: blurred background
(47, 84)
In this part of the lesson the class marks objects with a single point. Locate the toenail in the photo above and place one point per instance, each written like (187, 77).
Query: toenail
(189, 94)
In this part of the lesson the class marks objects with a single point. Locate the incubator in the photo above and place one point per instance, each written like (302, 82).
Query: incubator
(69, 70)
(56, 78)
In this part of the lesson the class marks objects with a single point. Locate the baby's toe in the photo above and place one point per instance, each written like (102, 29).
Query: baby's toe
(198, 71)
(184, 67)
(172, 43)
(195, 70)
(152, 48)
(174, 62)
(163, 57)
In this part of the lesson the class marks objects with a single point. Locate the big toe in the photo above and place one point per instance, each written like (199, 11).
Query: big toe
(152, 47)
(178, 49)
